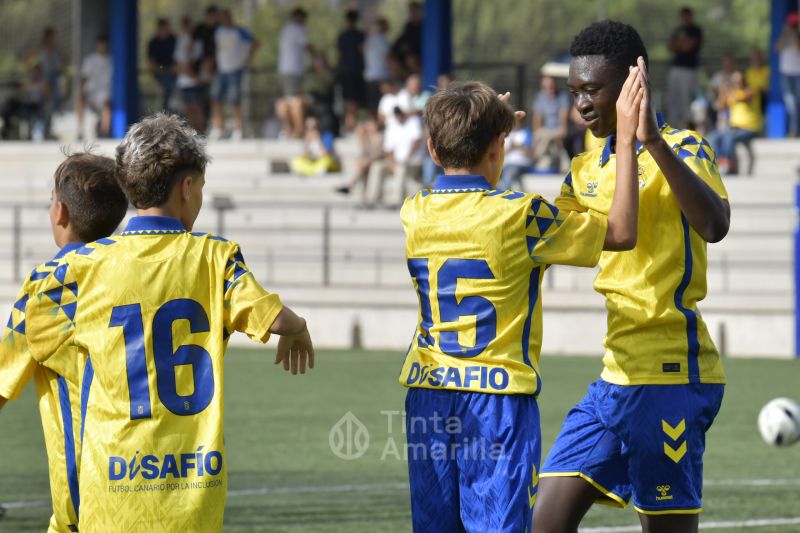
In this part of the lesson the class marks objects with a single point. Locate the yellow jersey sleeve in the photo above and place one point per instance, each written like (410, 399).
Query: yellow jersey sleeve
(699, 156)
(50, 320)
(16, 364)
(567, 201)
(249, 307)
(564, 237)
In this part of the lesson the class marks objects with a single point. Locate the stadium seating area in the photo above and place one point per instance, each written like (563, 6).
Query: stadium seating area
(344, 268)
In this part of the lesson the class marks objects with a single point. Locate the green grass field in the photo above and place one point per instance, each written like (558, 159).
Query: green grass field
(284, 476)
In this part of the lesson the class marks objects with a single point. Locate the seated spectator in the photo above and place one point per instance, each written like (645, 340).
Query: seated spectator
(550, 112)
(745, 123)
(188, 57)
(720, 86)
(403, 155)
(412, 98)
(95, 92)
(28, 105)
(370, 141)
(318, 156)
(518, 158)
(756, 76)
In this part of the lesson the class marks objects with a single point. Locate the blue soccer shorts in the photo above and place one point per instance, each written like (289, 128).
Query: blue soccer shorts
(473, 460)
(641, 440)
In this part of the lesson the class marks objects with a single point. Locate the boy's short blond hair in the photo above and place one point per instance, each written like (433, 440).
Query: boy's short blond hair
(463, 120)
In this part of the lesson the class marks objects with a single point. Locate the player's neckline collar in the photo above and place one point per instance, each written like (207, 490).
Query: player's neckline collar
(608, 147)
(461, 183)
(153, 225)
(68, 248)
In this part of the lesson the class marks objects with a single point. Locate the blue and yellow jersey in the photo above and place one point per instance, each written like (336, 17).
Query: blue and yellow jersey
(154, 307)
(655, 332)
(477, 257)
(59, 401)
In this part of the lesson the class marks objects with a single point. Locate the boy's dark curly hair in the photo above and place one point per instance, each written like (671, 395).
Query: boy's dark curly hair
(619, 43)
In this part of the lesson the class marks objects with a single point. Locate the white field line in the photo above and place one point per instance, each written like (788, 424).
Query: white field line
(728, 524)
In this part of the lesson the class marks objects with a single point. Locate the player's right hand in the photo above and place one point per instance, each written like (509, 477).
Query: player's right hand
(628, 107)
(295, 351)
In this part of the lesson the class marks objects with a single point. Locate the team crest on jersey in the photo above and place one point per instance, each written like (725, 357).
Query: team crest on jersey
(591, 189)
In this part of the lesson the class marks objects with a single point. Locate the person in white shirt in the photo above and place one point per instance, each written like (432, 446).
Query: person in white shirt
(403, 155)
(292, 48)
(188, 56)
(376, 65)
(788, 45)
(96, 72)
(234, 49)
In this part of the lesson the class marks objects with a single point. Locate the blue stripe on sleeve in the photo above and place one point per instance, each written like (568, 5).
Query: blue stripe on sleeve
(69, 443)
(691, 316)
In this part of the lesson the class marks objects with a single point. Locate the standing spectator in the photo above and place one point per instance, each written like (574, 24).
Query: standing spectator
(351, 68)
(756, 76)
(95, 91)
(788, 45)
(205, 67)
(745, 122)
(51, 61)
(376, 67)
(188, 54)
(682, 81)
(161, 59)
(292, 49)
(407, 49)
(235, 48)
(550, 115)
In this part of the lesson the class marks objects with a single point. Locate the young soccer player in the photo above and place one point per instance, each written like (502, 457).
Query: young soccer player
(155, 307)
(86, 205)
(477, 256)
(641, 428)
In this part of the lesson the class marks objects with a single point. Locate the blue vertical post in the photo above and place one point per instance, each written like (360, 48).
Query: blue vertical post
(437, 40)
(776, 112)
(124, 41)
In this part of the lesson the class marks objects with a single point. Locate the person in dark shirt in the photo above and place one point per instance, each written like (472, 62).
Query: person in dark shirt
(682, 82)
(351, 68)
(161, 58)
(407, 49)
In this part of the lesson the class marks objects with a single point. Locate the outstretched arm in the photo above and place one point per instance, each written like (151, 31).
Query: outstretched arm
(623, 217)
(704, 209)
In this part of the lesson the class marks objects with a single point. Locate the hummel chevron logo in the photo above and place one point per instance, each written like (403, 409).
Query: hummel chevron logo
(675, 454)
(674, 432)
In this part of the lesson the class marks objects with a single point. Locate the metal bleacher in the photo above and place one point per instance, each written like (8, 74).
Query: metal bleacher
(344, 267)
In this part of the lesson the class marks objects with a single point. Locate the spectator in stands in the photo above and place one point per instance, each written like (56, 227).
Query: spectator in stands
(788, 46)
(370, 141)
(550, 115)
(682, 79)
(518, 158)
(720, 87)
(412, 97)
(235, 48)
(318, 156)
(402, 161)
(188, 55)
(756, 76)
(376, 66)
(51, 61)
(407, 49)
(95, 91)
(204, 32)
(351, 68)
(321, 94)
(161, 60)
(292, 48)
(745, 122)
(28, 104)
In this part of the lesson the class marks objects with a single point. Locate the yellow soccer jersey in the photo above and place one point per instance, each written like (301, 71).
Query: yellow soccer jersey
(655, 332)
(155, 308)
(477, 257)
(59, 402)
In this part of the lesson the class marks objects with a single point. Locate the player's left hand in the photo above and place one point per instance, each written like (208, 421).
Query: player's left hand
(647, 132)
(505, 97)
(294, 351)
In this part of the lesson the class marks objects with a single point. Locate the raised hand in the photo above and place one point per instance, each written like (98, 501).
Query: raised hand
(505, 97)
(647, 131)
(629, 107)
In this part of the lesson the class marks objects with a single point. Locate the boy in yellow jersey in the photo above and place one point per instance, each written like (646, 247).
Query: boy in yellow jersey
(155, 307)
(477, 256)
(640, 431)
(86, 204)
